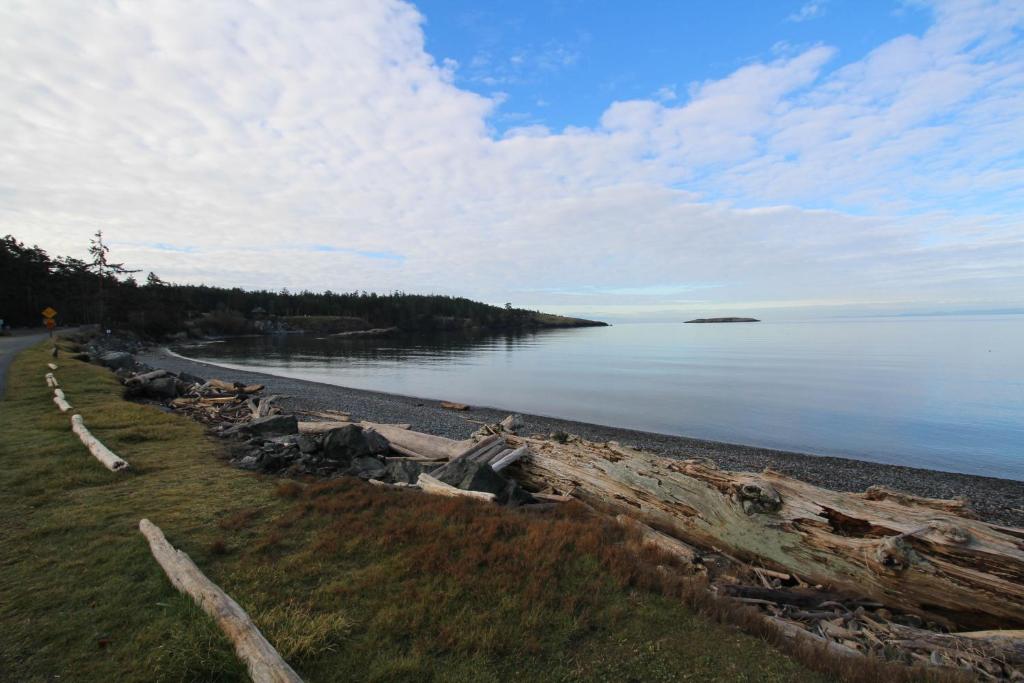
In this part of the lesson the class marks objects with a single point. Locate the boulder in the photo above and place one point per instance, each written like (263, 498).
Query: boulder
(189, 378)
(249, 462)
(344, 444)
(116, 359)
(514, 494)
(376, 442)
(272, 463)
(308, 443)
(473, 476)
(407, 471)
(160, 388)
(272, 425)
(367, 467)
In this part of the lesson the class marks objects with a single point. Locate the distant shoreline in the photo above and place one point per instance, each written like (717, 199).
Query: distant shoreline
(998, 500)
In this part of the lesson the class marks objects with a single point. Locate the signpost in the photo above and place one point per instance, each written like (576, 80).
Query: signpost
(48, 318)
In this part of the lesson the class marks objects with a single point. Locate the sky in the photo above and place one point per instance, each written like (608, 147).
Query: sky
(627, 161)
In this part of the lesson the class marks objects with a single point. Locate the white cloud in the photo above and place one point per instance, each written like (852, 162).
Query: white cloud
(245, 136)
(809, 10)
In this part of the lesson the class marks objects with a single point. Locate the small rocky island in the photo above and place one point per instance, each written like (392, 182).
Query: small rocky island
(724, 320)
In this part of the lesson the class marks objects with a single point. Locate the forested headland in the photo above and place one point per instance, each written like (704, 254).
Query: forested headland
(112, 294)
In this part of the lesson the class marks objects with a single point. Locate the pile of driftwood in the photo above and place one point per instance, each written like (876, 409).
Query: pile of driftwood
(216, 402)
(879, 573)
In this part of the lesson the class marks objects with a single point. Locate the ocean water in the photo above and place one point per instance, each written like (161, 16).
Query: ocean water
(943, 393)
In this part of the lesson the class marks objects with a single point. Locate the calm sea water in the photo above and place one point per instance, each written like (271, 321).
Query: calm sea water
(941, 392)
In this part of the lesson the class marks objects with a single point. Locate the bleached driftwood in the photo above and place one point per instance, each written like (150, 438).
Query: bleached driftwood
(509, 458)
(673, 546)
(431, 485)
(261, 408)
(51, 381)
(145, 377)
(481, 446)
(427, 445)
(320, 427)
(918, 555)
(61, 401)
(52, 366)
(106, 456)
(484, 455)
(264, 663)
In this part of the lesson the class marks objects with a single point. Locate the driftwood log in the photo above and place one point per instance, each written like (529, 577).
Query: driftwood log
(106, 456)
(145, 377)
(61, 401)
(264, 663)
(921, 556)
(52, 366)
(431, 485)
(320, 427)
(426, 445)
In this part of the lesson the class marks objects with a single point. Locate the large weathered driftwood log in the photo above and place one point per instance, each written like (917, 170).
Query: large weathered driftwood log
(918, 555)
(426, 445)
(264, 663)
(106, 456)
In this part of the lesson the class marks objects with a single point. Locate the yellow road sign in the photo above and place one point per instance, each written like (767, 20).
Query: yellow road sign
(49, 312)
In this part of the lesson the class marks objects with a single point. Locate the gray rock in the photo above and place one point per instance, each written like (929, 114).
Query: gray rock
(344, 444)
(308, 443)
(275, 462)
(272, 425)
(116, 359)
(249, 462)
(473, 476)
(161, 388)
(367, 467)
(376, 442)
(407, 471)
(514, 494)
(190, 378)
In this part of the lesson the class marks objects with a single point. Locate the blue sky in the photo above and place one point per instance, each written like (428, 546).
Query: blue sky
(560, 63)
(629, 162)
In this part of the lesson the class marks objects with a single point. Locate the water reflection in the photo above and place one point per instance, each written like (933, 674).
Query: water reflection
(944, 393)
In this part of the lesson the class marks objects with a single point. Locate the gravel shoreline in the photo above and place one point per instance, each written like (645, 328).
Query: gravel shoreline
(997, 500)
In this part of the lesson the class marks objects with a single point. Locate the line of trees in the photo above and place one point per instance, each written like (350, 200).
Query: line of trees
(100, 291)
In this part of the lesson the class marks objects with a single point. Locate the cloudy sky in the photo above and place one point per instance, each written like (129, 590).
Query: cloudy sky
(580, 156)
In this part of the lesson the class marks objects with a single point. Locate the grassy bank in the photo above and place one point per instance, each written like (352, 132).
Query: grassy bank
(348, 581)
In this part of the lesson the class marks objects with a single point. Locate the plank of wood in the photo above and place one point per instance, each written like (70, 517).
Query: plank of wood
(431, 485)
(52, 366)
(264, 663)
(106, 456)
(449, 405)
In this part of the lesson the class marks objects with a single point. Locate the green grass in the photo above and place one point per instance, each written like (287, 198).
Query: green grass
(350, 582)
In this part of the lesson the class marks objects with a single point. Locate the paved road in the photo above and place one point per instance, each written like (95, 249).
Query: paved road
(9, 348)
